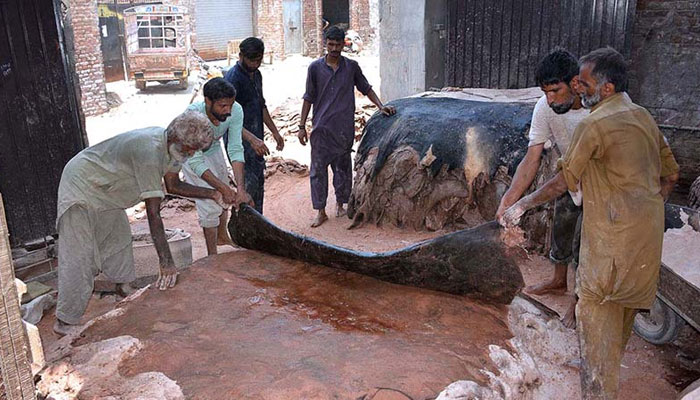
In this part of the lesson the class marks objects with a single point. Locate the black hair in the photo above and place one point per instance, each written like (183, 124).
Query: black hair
(335, 33)
(252, 48)
(557, 66)
(608, 66)
(219, 88)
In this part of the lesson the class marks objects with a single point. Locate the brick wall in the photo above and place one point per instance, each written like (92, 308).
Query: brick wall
(359, 21)
(313, 24)
(88, 56)
(665, 60)
(269, 25)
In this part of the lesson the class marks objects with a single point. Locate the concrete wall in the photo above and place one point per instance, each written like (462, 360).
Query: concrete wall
(665, 60)
(402, 47)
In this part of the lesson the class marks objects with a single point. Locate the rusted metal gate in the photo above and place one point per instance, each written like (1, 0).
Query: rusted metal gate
(498, 43)
(40, 127)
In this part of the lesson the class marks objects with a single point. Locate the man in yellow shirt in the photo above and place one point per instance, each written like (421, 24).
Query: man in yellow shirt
(625, 170)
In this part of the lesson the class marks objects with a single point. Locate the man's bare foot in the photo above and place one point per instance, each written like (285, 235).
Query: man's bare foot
(62, 329)
(553, 286)
(340, 211)
(321, 217)
(569, 318)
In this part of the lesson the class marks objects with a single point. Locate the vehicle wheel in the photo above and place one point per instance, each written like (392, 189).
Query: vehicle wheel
(140, 85)
(182, 84)
(659, 325)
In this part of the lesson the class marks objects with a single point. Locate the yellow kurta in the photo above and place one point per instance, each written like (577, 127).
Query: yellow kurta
(618, 154)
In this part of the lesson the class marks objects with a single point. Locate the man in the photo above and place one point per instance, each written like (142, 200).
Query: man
(330, 86)
(247, 80)
(210, 169)
(625, 170)
(554, 120)
(97, 185)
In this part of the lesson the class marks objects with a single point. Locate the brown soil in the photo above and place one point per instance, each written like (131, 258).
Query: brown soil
(246, 325)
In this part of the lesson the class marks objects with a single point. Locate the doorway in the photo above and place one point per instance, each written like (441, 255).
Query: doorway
(292, 26)
(337, 13)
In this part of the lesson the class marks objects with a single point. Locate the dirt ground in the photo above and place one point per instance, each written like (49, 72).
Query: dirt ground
(361, 327)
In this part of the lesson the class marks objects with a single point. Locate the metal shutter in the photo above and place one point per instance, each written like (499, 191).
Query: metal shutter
(217, 22)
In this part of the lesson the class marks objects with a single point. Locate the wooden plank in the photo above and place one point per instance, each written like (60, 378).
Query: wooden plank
(16, 372)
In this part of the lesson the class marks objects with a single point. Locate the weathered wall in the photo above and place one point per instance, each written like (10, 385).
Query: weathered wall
(270, 26)
(360, 21)
(665, 60)
(402, 48)
(88, 56)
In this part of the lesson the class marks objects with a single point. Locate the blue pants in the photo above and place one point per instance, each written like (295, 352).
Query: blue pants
(341, 164)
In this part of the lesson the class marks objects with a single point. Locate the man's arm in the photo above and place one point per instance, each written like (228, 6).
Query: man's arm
(386, 110)
(167, 275)
(667, 184)
(552, 189)
(175, 186)
(258, 145)
(302, 135)
(267, 119)
(524, 175)
(241, 195)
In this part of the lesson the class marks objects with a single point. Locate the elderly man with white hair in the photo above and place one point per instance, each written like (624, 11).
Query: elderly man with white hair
(97, 185)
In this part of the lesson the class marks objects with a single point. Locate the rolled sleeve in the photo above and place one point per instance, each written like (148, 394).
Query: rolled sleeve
(149, 180)
(586, 145)
(360, 80)
(235, 140)
(197, 163)
(310, 94)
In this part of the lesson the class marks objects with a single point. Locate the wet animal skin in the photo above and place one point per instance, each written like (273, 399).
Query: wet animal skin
(472, 262)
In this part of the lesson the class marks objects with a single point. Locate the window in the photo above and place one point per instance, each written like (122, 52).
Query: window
(159, 31)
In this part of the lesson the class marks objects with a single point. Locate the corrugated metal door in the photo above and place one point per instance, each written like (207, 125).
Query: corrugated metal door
(292, 26)
(40, 128)
(498, 43)
(217, 22)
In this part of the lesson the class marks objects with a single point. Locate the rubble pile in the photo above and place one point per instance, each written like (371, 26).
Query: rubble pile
(288, 115)
(285, 166)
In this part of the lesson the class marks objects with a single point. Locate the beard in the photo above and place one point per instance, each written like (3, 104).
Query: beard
(220, 117)
(176, 153)
(562, 108)
(591, 101)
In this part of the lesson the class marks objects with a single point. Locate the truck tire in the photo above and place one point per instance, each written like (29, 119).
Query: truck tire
(694, 195)
(182, 84)
(140, 85)
(659, 325)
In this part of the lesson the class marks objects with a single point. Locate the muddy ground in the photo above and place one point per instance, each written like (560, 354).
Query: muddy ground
(245, 325)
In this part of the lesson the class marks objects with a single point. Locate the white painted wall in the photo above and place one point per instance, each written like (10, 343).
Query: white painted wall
(402, 48)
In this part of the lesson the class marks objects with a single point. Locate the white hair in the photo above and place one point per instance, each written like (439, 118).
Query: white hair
(191, 129)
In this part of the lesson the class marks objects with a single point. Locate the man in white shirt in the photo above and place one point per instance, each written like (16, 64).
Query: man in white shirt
(554, 120)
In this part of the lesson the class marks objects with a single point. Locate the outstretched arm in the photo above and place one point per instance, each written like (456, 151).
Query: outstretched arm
(167, 274)
(554, 188)
(386, 110)
(524, 175)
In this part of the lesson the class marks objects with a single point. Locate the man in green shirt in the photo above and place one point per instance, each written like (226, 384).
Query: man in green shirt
(97, 185)
(209, 168)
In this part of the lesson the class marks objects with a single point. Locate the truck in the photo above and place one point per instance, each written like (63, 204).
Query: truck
(157, 44)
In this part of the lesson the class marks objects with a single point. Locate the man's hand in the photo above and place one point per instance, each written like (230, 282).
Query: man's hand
(503, 206)
(242, 197)
(302, 135)
(280, 141)
(260, 148)
(228, 195)
(512, 216)
(167, 277)
(388, 110)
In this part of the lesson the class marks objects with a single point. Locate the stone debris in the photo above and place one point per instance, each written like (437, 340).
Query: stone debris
(33, 311)
(92, 371)
(286, 166)
(288, 115)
